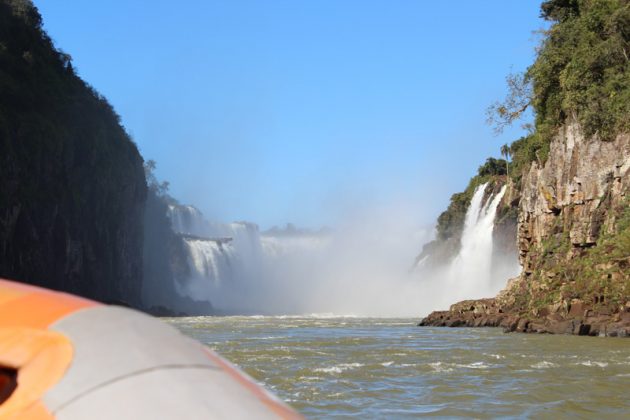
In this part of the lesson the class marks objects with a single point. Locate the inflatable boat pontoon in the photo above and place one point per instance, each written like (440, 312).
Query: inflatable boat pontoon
(68, 358)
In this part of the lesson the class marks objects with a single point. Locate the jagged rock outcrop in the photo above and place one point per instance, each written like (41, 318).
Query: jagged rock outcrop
(573, 243)
(491, 313)
(72, 186)
(506, 223)
(574, 192)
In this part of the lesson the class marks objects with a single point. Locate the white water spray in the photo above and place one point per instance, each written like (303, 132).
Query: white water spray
(470, 273)
(361, 268)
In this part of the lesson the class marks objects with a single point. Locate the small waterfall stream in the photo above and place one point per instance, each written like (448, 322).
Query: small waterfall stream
(471, 271)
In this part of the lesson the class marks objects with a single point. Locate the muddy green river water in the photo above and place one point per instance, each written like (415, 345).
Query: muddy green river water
(346, 367)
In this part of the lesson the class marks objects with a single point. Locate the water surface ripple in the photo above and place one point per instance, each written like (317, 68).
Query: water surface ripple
(343, 367)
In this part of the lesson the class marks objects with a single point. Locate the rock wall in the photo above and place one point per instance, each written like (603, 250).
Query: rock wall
(574, 245)
(574, 192)
(72, 186)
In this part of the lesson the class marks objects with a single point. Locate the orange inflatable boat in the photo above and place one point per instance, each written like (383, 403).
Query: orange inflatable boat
(67, 358)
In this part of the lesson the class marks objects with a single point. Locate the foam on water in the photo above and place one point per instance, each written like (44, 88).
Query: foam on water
(596, 364)
(544, 365)
(339, 368)
(384, 366)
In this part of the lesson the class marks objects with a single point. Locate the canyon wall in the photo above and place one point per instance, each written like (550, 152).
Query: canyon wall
(573, 238)
(577, 196)
(72, 183)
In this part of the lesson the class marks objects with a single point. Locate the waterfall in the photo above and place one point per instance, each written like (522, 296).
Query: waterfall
(186, 219)
(471, 271)
(242, 270)
(211, 262)
(218, 253)
(233, 265)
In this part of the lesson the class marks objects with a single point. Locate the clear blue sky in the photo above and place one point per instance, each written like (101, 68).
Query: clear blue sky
(286, 111)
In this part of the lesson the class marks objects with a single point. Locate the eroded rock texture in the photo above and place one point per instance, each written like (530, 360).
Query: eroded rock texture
(574, 192)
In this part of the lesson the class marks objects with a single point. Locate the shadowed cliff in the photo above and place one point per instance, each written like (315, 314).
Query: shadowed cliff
(73, 187)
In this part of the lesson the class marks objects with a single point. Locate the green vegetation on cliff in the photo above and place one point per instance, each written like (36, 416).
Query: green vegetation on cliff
(581, 73)
(583, 68)
(600, 274)
(451, 222)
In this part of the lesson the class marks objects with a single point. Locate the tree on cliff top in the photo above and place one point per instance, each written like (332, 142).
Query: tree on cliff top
(582, 71)
(159, 188)
(503, 114)
(506, 152)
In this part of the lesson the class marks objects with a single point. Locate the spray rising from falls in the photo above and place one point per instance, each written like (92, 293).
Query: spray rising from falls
(361, 268)
(480, 269)
(353, 270)
(241, 270)
(220, 255)
(485, 257)
(472, 268)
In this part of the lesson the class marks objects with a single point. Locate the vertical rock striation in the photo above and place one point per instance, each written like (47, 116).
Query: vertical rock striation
(575, 192)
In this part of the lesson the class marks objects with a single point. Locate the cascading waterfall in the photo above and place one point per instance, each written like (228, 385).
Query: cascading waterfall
(233, 265)
(353, 270)
(186, 220)
(218, 253)
(470, 273)
(209, 260)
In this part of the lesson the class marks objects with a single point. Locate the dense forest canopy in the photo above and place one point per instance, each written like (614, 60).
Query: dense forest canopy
(582, 68)
(581, 72)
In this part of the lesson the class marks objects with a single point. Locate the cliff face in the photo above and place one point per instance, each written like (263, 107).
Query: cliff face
(576, 193)
(72, 183)
(573, 239)
(573, 229)
(571, 175)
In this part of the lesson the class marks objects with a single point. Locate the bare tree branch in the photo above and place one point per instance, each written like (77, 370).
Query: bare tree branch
(519, 97)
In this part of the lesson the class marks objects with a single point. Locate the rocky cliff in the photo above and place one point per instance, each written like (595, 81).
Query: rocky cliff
(574, 200)
(570, 178)
(72, 183)
(573, 239)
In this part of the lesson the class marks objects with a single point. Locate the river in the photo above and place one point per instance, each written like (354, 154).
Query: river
(342, 367)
